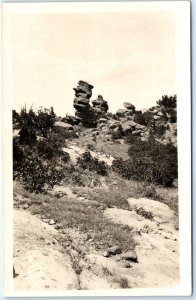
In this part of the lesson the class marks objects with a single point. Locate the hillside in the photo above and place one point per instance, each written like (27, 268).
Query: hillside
(97, 191)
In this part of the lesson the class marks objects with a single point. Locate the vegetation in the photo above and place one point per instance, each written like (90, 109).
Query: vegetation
(86, 161)
(168, 101)
(149, 161)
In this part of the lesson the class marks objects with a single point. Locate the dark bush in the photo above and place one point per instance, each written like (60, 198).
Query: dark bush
(35, 172)
(51, 147)
(168, 101)
(159, 130)
(93, 164)
(149, 161)
(27, 135)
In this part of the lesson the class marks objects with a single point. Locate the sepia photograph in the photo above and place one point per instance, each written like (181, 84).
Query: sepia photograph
(96, 112)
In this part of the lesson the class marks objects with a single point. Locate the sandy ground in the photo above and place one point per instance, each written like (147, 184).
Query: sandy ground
(37, 256)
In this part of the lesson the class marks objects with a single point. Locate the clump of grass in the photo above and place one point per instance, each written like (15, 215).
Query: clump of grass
(123, 282)
(146, 214)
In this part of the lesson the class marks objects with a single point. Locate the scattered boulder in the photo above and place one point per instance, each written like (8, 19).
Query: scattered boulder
(127, 264)
(136, 132)
(64, 125)
(130, 256)
(114, 250)
(73, 120)
(129, 106)
(123, 113)
(102, 121)
(51, 222)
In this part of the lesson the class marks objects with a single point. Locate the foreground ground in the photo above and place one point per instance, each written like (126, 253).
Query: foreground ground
(61, 239)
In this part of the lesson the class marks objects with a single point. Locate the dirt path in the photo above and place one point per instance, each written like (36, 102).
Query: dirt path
(38, 259)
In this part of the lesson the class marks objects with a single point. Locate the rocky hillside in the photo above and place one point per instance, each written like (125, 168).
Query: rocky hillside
(158, 121)
(99, 191)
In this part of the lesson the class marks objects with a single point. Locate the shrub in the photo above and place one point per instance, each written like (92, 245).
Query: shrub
(91, 147)
(35, 172)
(168, 101)
(93, 164)
(149, 161)
(51, 147)
(159, 130)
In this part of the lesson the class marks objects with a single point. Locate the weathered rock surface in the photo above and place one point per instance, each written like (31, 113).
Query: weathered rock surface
(39, 266)
(129, 106)
(100, 105)
(63, 125)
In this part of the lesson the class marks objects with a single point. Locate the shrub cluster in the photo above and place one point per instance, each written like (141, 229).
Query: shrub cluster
(86, 161)
(37, 161)
(149, 161)
(36, 166)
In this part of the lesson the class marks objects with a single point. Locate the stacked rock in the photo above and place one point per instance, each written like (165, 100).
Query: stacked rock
(84, 111)
(100, 105)
(83, 92)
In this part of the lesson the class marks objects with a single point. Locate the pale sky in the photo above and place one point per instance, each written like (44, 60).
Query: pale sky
(127, 56)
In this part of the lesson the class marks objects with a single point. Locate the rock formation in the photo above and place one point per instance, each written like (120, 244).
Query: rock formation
(100, 105)
(89, 115)
(84, 111)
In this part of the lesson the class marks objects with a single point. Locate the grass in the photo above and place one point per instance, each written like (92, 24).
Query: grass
(82, 216)
(118, 193)
(106, 147)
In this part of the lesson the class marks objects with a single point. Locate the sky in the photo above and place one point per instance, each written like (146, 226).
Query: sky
(126, 56)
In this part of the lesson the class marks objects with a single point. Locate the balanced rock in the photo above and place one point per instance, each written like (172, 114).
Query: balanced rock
(83, 89)
(84, 111)
(129, 106)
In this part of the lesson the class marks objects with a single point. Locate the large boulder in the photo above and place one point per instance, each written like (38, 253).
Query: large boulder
(129, 106)
(83, 89)
(123, 113)
(63, 125)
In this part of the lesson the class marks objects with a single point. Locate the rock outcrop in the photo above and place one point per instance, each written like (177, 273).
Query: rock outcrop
(84, 111)
(100, 105)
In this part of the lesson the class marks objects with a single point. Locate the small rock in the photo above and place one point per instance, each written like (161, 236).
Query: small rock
(52, 222)
(114, 250)
(127, 264)
(58, 226)
(106, 254)
(130, 255)
(25, 206)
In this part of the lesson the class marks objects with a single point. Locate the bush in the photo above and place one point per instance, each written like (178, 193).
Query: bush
(168, 101)
(39, 165)
(93, 164)
(149, 161)
(159, 130)
(35, 172)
